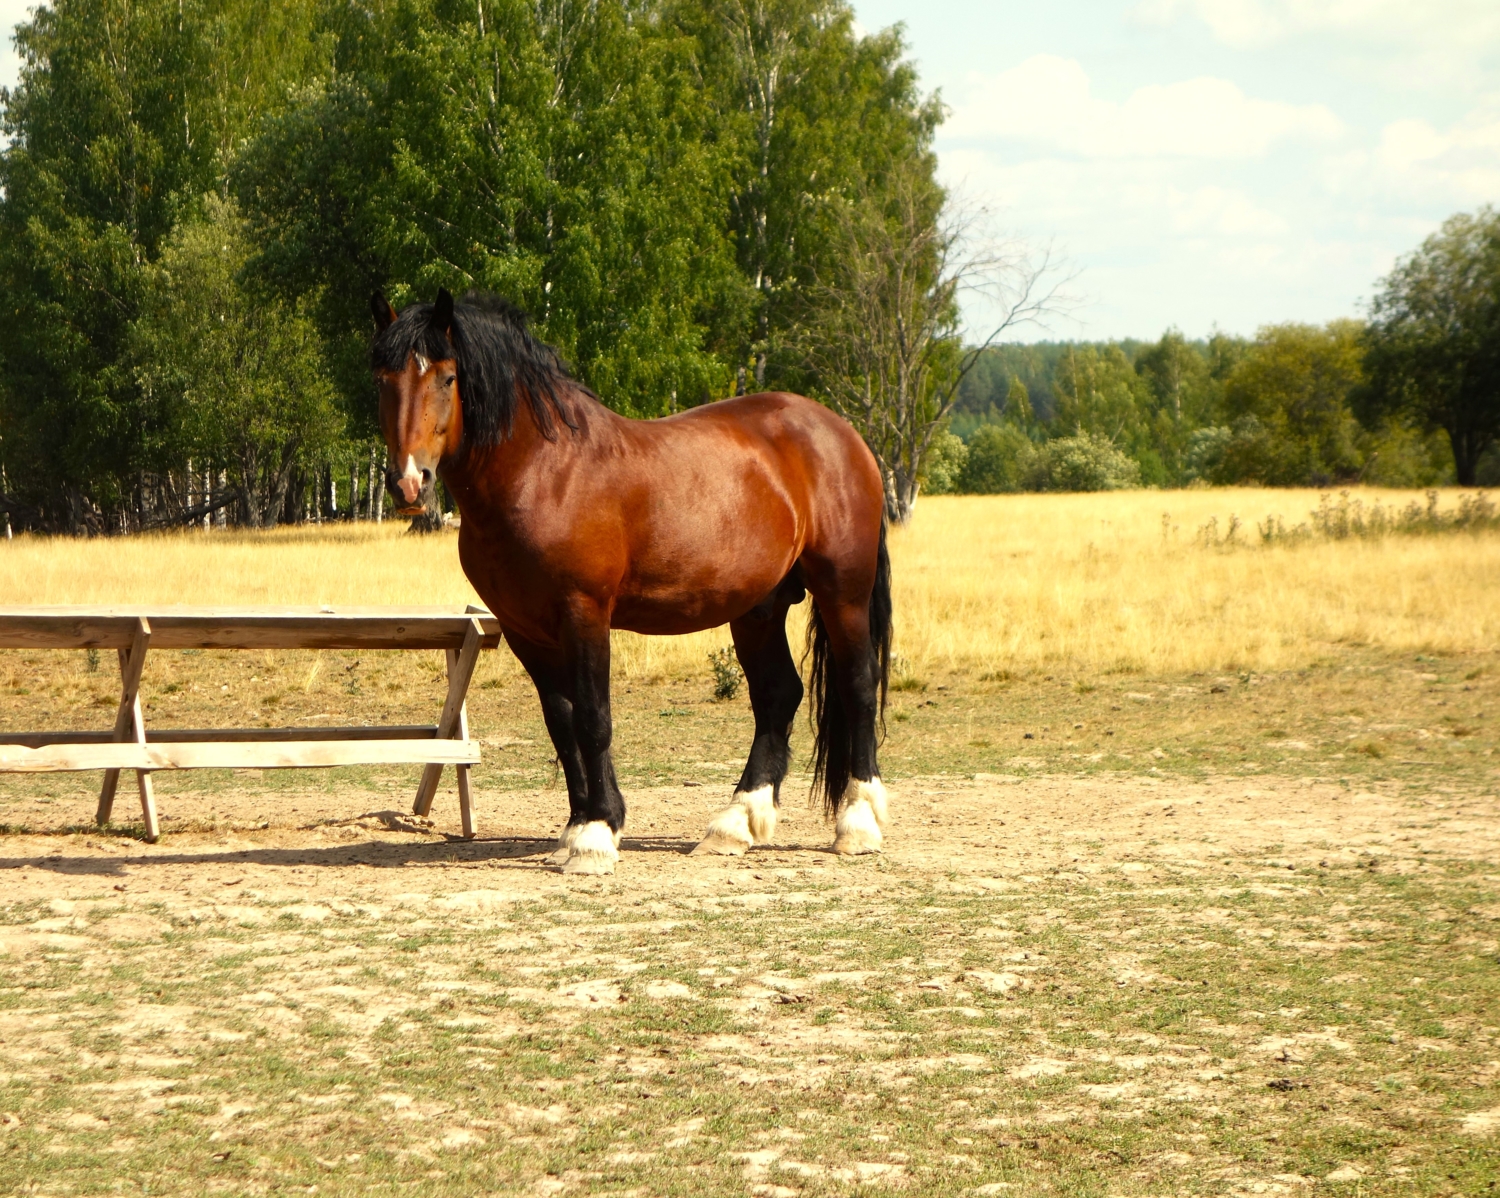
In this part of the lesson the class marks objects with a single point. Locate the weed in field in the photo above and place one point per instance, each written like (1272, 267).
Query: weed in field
(903, 677)
(726, 672)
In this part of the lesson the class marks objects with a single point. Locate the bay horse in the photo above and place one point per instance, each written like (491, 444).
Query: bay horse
(576, 520)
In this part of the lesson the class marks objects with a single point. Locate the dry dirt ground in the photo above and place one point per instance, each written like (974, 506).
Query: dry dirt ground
(1102, 984)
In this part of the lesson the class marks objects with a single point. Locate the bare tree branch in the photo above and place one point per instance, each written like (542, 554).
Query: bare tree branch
(882, 331)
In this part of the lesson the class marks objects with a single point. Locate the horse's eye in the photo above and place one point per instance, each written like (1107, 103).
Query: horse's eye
(450, 380)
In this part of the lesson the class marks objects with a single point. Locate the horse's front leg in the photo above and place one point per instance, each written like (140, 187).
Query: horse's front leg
(554, 689)
(594, 847)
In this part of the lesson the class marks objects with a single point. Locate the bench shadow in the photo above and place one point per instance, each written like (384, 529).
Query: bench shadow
(515, 852)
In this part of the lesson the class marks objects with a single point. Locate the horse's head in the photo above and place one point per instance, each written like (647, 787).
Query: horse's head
(420, 414)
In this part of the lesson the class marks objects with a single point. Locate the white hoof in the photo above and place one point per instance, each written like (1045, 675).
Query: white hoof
(862, 815)
(593, 850)
(564, 848)
(728, 833)
(749, 819)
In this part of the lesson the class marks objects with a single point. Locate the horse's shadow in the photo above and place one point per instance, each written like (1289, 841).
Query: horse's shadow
(505, 852)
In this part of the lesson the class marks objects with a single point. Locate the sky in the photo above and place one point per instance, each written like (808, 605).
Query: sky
(1201, 164)
(1212, 163)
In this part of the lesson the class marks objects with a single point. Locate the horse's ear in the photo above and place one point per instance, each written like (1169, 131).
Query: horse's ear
(442, 311)
(381, 310)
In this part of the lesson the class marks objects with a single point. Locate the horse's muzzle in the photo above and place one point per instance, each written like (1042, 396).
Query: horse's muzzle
(411, 496)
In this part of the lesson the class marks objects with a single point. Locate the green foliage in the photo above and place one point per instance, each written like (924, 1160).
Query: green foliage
(945, 464)
(566, 161)
(1287, 401)
(652, 183)
(1433, 344)
(122, 118)
(1278, 410)
(727, 673)
(238, 378)
(999, 457)
(1087, 462)
(99, 156)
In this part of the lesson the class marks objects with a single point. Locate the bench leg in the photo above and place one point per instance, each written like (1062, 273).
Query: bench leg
(129, 725)
(107, 797)
(465, 802)
(148, 805)
(454, 724)
(426, 789)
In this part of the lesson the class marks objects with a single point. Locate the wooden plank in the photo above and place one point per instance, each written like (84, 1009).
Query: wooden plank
(252, 628)
(106, 804)
(35, 740)
(128, 716)
(460, 671)
(465, 798)
(249, 755)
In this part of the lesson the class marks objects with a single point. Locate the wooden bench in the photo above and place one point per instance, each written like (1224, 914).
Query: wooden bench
(132, 631)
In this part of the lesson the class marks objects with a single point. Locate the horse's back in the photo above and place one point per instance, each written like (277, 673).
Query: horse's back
(800, 435)
(822, 466)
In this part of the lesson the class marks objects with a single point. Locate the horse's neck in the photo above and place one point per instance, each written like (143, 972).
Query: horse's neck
(485, 477)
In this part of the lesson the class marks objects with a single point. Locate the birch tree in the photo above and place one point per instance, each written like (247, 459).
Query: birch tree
(883, 331)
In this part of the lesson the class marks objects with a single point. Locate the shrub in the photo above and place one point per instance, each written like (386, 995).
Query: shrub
(945, 464)
(997, 459)
(1083, 463)
(727, 673)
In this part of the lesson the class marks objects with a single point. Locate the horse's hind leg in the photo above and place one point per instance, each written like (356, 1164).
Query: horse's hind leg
(775, 693)
(851, 707)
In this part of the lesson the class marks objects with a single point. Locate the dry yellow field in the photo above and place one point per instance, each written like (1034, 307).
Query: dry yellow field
(1133, 934)
(1118, 581)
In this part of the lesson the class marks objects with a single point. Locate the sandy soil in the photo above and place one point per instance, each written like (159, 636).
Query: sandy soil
(454, 1015)
(992, 826)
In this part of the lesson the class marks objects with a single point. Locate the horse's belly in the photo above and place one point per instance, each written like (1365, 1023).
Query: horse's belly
(673, 606)
(679, 614)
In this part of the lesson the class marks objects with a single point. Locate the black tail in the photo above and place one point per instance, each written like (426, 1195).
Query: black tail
(833, 743)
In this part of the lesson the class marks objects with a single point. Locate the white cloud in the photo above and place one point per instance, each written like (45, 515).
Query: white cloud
(1048, 100)
(1247, 24)
(1220, 210)
(1159, 244)
(1414, 162)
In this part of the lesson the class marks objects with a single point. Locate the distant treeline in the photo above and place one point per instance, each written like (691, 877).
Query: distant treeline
(692, 199)
(199, 196)
(1293, 406)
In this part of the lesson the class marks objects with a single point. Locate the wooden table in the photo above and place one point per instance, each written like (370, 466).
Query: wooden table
(132, 631)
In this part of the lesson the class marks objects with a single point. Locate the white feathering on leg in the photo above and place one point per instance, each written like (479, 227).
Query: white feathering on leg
(760, 810)
(874, 790)
(593, 850)
(564, 848)
(728, 832)
(861, 814)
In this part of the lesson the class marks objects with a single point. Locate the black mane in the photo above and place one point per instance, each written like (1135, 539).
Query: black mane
(497, 359)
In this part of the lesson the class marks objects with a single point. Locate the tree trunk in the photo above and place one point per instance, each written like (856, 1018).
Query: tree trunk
(281, 483)
(900, 496)
(431, 517)
(380, 492)
(249, 476)
(1467, 450)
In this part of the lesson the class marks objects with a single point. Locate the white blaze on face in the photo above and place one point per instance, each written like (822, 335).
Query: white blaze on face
(411, 481)
(423, 365)
(411, 472)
